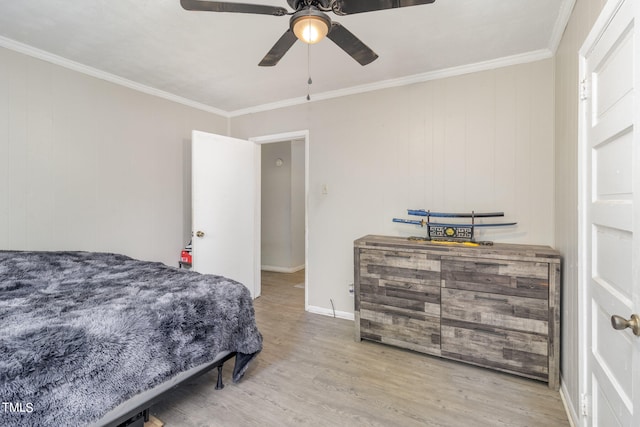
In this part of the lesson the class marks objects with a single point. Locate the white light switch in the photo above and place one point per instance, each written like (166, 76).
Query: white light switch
(325, 189)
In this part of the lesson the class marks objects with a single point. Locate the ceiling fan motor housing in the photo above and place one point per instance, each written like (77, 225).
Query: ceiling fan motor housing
(310, 11)
(299, 4)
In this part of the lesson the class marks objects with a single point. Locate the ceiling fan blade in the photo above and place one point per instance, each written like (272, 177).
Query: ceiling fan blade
(351, 44)
(222, 6)
(349, 7)
(278, 50)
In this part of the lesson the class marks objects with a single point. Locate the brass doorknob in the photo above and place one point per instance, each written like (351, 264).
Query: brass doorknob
(200, 233)
(619, 322)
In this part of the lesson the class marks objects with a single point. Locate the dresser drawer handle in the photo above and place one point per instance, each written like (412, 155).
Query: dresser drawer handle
(503, 300)
(487, 264)
(397, 256)
(495, 333)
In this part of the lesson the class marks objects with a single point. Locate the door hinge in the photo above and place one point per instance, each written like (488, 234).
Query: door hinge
(585, 405)
(584, 90)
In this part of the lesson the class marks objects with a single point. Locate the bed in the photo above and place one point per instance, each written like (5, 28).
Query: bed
(95, 338)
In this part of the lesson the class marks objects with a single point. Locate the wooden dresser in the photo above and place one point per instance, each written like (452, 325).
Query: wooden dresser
(494, 306)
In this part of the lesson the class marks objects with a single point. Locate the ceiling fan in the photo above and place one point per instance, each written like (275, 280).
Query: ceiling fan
(309, 23)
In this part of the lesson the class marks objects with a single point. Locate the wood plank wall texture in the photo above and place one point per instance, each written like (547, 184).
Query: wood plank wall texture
(90, 165)
(480, 141)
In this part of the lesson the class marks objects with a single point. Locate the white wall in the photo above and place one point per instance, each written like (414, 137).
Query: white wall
(90, 165)
(482, 141)
(298, 208)
(566, 192)
(276, 206)
(282, 244)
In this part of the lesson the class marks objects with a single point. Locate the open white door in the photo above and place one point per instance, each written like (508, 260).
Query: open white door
(225, 208)
(610, 217)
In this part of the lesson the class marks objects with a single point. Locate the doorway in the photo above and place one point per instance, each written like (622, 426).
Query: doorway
(282, 201)
(283, 208)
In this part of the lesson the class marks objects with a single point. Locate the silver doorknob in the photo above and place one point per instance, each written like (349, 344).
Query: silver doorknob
(200, 233)
(619, 322)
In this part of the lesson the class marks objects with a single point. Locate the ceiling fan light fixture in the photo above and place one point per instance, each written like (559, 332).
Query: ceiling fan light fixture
(310, 28)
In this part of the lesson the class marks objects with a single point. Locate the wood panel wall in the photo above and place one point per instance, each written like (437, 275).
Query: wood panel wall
(481, 141)
(90, 165)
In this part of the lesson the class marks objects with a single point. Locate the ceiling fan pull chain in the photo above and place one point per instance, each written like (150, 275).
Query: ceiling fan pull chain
(309, 82)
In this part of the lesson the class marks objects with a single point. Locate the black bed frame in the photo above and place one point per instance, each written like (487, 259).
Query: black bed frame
(140, 414)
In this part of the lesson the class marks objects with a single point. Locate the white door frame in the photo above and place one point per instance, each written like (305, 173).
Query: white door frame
(280, 137)
(584, 197)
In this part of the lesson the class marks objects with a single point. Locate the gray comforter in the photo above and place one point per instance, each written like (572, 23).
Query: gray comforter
(82, 332)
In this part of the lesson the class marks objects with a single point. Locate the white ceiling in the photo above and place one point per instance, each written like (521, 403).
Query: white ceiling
(211, 59)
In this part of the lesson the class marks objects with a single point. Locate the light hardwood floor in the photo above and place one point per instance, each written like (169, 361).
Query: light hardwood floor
(311, 372)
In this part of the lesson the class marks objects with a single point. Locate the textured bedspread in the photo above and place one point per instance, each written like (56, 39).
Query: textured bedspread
(82, 332)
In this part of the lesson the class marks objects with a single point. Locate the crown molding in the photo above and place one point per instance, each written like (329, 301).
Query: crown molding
(566, 8)
(354, 90)
(403, 81)
(102, 75)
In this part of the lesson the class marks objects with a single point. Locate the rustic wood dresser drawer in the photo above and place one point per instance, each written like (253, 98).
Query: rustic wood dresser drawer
(495, 306)
(415, 331)
(505, 277)
(399, 301)
(402, 266)
(501, 349)
(501, 311)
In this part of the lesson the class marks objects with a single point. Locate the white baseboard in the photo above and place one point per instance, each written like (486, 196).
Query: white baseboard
(572, 415)
(329, 312)
(282, 269)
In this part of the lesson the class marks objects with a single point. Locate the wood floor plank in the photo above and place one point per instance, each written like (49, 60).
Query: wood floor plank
(311, 372)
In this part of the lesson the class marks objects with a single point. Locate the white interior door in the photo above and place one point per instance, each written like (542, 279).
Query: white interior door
(225, 208)
(610, 226)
